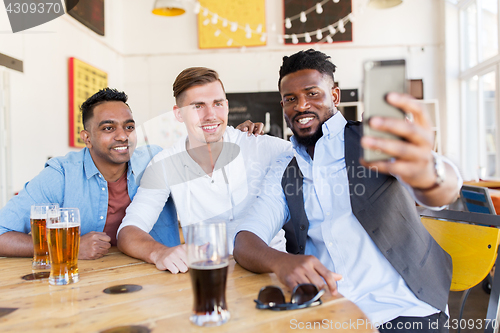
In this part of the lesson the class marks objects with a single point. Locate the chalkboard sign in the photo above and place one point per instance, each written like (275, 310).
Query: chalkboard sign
(330, 14)
(254, 106)
(88, 12)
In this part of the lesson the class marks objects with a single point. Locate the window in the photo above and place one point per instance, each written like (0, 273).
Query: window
(479, 77)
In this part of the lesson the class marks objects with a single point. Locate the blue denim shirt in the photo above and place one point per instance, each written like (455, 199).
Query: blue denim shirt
(74, 181)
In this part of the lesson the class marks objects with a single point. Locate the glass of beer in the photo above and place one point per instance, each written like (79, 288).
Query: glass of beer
(38, 219)
(208, 261)
(63, 236)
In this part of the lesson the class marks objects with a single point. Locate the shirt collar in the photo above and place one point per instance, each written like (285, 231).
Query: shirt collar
(331, 128)
(89, 165)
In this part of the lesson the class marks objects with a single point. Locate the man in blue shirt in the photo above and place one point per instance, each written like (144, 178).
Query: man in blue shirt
(100, 180)
(354, 225)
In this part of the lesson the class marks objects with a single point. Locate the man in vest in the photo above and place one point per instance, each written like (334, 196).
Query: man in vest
(353, 225)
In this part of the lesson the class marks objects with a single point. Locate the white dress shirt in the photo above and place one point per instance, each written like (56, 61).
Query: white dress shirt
(335, 235)
(226, 195)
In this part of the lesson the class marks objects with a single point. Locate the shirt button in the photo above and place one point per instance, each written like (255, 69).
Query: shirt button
(330, 244)
(103, 189)
(102, 217)
(328, 213)
(301, 247)
(302, 227)
(100, 176)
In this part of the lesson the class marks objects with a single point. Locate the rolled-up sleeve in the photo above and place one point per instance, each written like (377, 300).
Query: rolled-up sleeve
(269, 212)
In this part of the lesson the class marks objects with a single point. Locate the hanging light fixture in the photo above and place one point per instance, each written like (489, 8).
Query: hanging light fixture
(169, 7)
(380, 4)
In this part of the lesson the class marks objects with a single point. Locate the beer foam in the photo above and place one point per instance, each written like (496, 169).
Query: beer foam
(61, 225)
(38, 216)
(208, 266)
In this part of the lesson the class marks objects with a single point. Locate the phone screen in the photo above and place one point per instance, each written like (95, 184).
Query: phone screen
(380, 78)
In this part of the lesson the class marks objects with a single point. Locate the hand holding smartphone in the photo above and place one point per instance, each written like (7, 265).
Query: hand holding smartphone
(380, 78)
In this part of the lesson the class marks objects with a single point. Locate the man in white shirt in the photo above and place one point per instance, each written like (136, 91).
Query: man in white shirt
(213, 173)
(356, 228)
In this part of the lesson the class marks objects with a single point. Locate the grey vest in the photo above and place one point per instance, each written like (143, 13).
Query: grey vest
(387, 213)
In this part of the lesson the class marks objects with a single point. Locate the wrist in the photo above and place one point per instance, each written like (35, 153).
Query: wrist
(439, 171)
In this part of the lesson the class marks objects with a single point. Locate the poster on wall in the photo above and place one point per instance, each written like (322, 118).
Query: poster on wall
(84, 81)
(261, 107)
(313, 21)
(235, 23)
(90, 13)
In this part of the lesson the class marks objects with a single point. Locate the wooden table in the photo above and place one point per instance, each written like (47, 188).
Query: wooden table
(163, 304)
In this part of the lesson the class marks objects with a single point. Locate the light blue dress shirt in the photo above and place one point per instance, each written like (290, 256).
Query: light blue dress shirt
(73, 180)
(335, 235)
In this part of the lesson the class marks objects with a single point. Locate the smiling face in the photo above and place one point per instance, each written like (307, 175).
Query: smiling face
(110, 135)
(204, 110)
(308, 99)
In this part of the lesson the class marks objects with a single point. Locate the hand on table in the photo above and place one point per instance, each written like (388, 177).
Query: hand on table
(413, 161)
(94, 245)
(306, 269)
(251, 128)
(173, 259)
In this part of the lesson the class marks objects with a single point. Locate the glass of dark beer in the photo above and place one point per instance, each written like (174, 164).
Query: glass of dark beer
(38, 221)
(63, 236)
(208, 261)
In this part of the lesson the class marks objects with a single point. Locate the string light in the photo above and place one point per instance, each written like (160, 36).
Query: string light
(319, 8)
(331, 29)
(303, 17)
(215, 18)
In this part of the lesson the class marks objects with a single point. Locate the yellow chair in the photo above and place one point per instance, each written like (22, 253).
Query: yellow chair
(473, 249)
(473, 246)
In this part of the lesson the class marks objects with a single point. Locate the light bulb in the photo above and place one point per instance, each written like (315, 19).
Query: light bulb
(329, 39)
(215, 18)
(331, 29)
(319, 9)
(234, 26)
(217, 33)
(205, 12)
(229, 42)
(351, 17)
(259, 28)
(206, 22)
(248, 35)
(197, 7)
(319, 34)
(303, 17)
(341, 26)
(247, 28)
(295, 40)
(224, 23)
(263, 38)
(307, 37)
(288, 23)
(336, 1)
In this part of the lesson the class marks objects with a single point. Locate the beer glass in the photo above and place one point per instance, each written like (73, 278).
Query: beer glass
(208, 261)
(38, 221)
(63, 236)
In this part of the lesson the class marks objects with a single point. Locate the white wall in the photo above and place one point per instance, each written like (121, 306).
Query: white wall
(39, 96)
(142, 54)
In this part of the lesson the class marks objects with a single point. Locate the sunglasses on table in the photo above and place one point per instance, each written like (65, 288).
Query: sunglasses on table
(303, 296)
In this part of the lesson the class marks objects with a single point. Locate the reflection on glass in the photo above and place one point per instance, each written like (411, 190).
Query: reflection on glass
(489, 29)
(471, 163)
(489, 140)
(469, 18)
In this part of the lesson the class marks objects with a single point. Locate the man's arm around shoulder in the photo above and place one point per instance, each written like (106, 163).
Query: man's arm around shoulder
(137, 243)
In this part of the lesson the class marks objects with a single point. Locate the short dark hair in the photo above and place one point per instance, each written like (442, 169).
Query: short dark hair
(309, 59)
(103, 95)
(194, 76)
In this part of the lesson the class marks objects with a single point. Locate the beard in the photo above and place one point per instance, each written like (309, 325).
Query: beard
(309, 140)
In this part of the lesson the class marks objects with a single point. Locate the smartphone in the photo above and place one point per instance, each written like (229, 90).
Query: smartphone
(380, 78)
